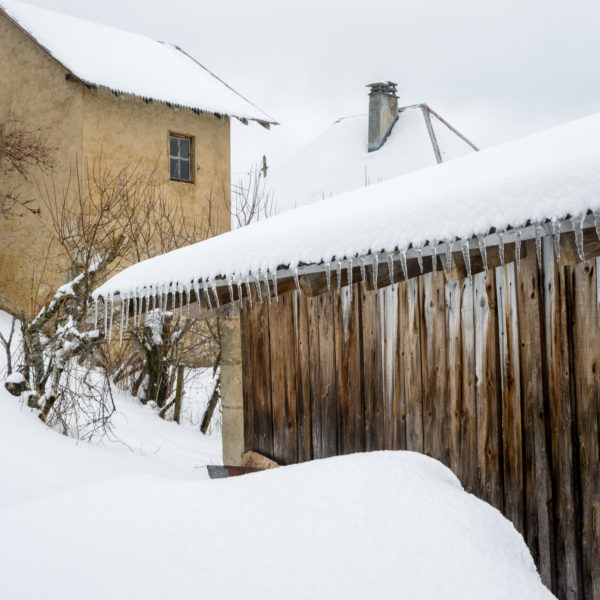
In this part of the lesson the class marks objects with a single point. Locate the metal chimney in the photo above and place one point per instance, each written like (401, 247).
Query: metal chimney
(383, 112)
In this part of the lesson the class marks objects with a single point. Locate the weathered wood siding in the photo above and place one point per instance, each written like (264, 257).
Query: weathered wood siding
(498, 377)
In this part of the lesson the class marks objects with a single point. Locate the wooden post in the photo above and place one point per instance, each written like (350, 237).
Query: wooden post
(178, 393)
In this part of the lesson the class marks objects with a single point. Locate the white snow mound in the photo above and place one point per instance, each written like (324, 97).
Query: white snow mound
(377, 525)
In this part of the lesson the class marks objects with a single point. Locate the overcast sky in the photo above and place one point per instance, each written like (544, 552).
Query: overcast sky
(496, 70)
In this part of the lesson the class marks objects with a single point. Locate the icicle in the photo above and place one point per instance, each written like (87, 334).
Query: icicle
(96, 313)
(139, 310)
(434, 244)
(464, 244)
(248, 291)
(518, 250)
(275, 285)
(110, 322)
(213, 287)
(197, 294)
(258, 288)
(597, 226)
(105, 315)
(206, 289)
(122, 321)
(556, 224)
(350, 274)
(390, 262)
(126, 311)
(363, 272)
(297, 280)
(483, 252)
(188, 298)
(328, 275)
(267, 288)
(240, 292)
(449, 257)
(339, 275)
(419, 252)
(375, 270)
(578, 230)
(403, 263)
(539, 232)
(501, 246)
(230, 287)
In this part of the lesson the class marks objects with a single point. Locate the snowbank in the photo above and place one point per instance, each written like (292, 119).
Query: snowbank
(129, 63)
(379, 525)
(548, 175)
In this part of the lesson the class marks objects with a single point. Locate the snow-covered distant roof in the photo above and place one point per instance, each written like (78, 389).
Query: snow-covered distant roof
(548, 175)
(337, 161)
(128, 63)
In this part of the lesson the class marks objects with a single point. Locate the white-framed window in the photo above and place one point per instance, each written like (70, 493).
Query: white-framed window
(181, 153)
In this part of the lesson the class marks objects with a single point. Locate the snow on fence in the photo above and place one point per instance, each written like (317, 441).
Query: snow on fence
(496, 374)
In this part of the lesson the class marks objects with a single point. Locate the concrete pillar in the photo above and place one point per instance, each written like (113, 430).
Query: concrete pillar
(232, 399)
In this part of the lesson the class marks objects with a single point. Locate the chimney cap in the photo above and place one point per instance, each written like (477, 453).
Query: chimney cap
(383, 87)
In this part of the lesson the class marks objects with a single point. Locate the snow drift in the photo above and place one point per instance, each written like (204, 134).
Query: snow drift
(378, 525)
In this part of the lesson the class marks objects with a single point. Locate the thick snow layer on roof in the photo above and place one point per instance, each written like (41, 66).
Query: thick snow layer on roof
(129, 63)
(337, 161)
(543, 176)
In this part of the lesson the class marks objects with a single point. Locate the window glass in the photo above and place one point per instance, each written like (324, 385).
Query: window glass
(184, 170)
(174, 168)
(174, 144)
(184, 148)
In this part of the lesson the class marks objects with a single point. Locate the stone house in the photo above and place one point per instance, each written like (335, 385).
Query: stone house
(98, 91)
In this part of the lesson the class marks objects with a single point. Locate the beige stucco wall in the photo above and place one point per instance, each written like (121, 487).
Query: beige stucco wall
(34, 90)
(129, 130)
(81, 124)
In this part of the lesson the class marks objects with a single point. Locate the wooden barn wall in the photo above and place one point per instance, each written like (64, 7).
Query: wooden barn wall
(498, 377)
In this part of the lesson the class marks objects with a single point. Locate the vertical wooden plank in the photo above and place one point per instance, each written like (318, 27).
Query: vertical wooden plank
(313, 309)
(282, 336)
(303, 375)
(454, 372)
(489, 410)
(564, 492)
(586, 359)
(467, 470)
(433, 366)
(372, 370)
(408, 402)
(512, 442)
(247, 380)
(388, 308)
(257, 385)
(351, 430)
(538, 486)
(401, 369)
(328, 375)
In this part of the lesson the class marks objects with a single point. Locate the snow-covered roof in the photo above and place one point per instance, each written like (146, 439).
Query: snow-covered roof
(128, 63)
(545, 176)
(337, 161)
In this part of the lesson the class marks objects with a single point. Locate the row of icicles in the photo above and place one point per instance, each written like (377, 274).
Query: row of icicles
(157, 296)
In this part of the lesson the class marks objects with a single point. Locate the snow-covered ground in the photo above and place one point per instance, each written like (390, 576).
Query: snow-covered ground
(138, 518)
